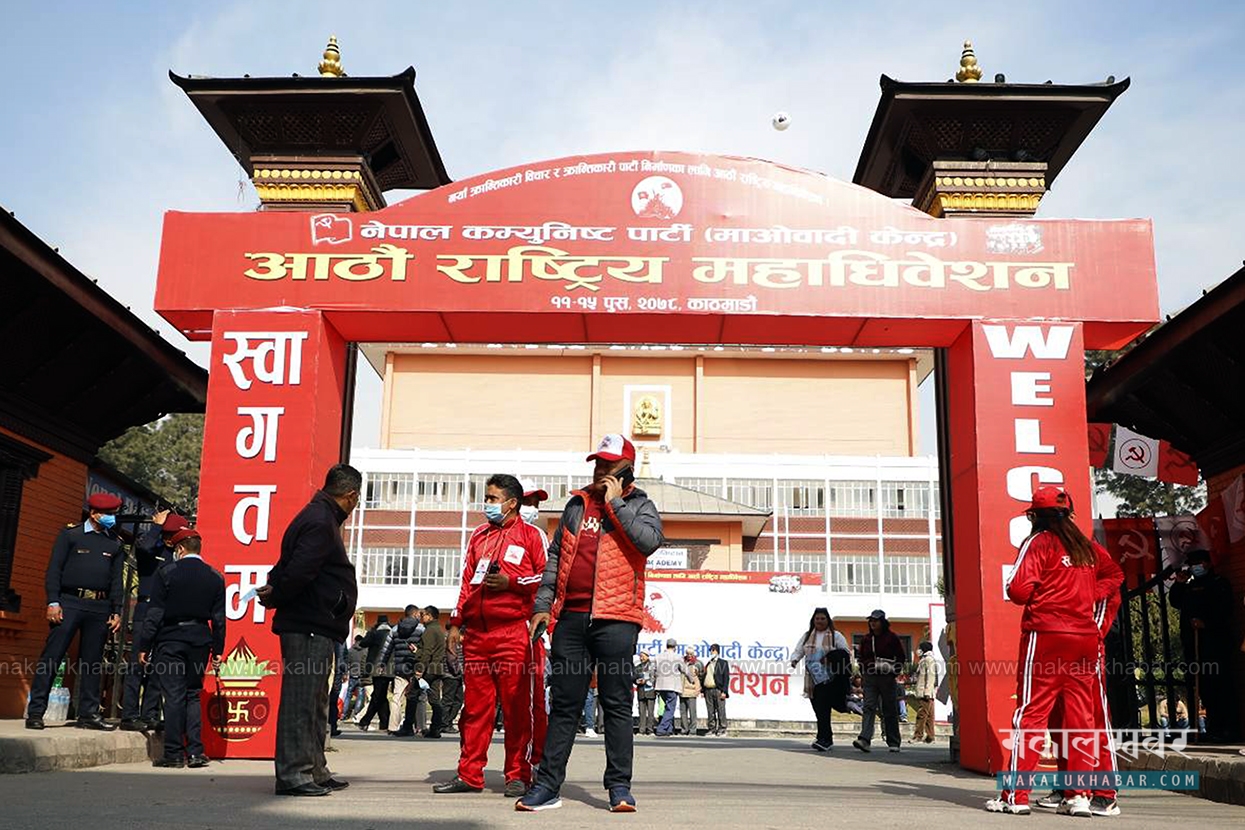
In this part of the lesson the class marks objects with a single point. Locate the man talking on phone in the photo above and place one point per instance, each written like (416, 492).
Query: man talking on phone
(502, 569)
(593, 593)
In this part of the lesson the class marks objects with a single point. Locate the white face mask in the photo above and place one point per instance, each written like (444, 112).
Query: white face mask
(529, 513)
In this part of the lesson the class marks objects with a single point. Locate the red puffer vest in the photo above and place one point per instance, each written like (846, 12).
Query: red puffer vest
(618, 587)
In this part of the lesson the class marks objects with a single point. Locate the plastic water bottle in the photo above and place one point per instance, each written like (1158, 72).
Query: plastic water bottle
(58, 699)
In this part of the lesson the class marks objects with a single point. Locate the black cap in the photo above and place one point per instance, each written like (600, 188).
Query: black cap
(878, 614)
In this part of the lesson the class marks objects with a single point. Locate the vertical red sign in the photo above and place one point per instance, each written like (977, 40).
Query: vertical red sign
(273, 429)
(1016, 395)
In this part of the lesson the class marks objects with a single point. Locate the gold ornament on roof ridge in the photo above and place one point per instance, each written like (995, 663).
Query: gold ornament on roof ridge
(970, 72)
(331, 66)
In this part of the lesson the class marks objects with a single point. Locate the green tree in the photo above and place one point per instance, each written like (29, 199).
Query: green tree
(162, 456)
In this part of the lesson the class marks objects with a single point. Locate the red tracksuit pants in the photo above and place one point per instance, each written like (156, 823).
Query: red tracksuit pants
(1103, 733)
(1054, 666)
(502, 664)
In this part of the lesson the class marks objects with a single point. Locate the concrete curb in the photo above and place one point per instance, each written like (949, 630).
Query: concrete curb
(64, 747)
(1222, 774)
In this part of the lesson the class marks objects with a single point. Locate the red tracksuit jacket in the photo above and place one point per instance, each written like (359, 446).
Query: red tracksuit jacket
(1057, 595)
(517, 547)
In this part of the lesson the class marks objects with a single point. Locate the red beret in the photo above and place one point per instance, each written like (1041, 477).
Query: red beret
(184, 534)
(103, 501)
(174, 523)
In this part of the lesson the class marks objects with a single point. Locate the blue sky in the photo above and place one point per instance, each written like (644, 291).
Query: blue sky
(99, 143)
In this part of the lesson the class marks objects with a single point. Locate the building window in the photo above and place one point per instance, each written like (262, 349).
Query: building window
(389, 491)
(18, 462)
(853, 498)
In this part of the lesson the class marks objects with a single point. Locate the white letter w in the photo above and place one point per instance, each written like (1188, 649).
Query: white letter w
(1052, 345)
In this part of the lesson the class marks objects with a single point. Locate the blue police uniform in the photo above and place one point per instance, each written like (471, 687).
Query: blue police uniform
(140, 703)
(84, 579)
(184, 625)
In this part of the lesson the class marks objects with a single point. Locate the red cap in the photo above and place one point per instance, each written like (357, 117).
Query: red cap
(1050, 498)
(614, 447)
(530, 489)
(103, 501)
(184, 534)
(174, 523)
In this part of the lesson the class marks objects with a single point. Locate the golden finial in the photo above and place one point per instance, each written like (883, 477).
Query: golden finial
(644, 471)
(970, 72)
(331, 66)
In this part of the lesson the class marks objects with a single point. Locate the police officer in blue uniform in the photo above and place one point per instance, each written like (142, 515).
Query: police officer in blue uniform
(184, 625)
(140, 702)
(84, 595)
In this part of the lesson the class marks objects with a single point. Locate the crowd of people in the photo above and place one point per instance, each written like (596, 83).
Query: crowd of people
(542, 644)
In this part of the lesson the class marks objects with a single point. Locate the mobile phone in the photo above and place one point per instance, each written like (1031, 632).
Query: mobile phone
(494, 567)
(625, 476)
(539, 630)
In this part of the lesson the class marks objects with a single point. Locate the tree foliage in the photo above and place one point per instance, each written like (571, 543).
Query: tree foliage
(163, 456)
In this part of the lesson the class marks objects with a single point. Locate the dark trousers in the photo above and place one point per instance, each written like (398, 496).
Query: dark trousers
(579, 646)
(302, 719)
(824, 712)
(339, 677)
(379, 704)
(715, 703)
(436, 697)
(140, 699)
(647, 704)
(452, 691)
(91, 618)
(671, 700)
(880, 689)
(178, 668)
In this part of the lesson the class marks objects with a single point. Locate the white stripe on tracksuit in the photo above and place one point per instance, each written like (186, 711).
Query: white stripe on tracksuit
(1020, 557)
(1026, 695)
(1100, 613)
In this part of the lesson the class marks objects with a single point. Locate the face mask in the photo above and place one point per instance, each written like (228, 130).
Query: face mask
(106, 521)
(1198, 570)
(494, 513)
(530, 513)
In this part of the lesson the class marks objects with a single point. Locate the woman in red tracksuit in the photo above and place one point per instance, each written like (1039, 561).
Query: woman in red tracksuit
(1060, 577)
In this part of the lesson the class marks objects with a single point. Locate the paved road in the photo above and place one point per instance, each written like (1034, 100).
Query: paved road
(743, 782)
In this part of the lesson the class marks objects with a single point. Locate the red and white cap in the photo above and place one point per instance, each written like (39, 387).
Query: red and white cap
(530, 489)
(614, 447)
(1050, 498)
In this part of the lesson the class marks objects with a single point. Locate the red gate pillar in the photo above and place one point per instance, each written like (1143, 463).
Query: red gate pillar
(1016, 410)
(273, 428)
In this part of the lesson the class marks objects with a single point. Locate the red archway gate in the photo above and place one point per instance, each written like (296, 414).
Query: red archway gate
(645, 247)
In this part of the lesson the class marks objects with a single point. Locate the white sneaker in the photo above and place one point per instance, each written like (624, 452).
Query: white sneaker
(1077, 805)
(590, 733)
(1100, 805)
(998, 805)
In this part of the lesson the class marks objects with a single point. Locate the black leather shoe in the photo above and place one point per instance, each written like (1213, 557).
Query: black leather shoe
(97, 723)
(34, 723)
(198, 761)
(133, 725)
(171, 763)
(310, 788)
(404, 732)
(335, 784)
(154, 725)
(430, 734)
(457, 785)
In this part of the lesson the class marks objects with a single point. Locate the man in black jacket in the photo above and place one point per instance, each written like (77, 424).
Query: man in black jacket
(379, 666)
(186, 623)
(430, 666)
(405, 639)
(1206, 632)
(715, 684)
(313, 591)
(882, 658)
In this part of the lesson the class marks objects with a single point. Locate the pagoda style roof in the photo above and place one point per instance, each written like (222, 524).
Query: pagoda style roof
(379, 118)
(917, 123)
(1182, 383)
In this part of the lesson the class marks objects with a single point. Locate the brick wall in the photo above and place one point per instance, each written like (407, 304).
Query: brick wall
(49, 501)
(1233, 567)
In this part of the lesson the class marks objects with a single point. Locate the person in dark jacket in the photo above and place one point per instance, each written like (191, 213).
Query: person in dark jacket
(715, 684)
(84, 591)
(882, 657)
(430, 667)
(140, 700)
(379, 665)
(452, 690)
(403, 642)
(593, 589)
(313, 592)
(185, 625)
(645, 692)
(1206, 632)
(355, 693)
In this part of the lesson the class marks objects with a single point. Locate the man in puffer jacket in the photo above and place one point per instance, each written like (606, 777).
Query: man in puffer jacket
(593, 590)
(928, 676)
(403, 641)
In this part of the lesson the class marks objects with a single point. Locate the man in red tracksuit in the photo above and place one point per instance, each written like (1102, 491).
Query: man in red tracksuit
(503, 568)
(1060, 577)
